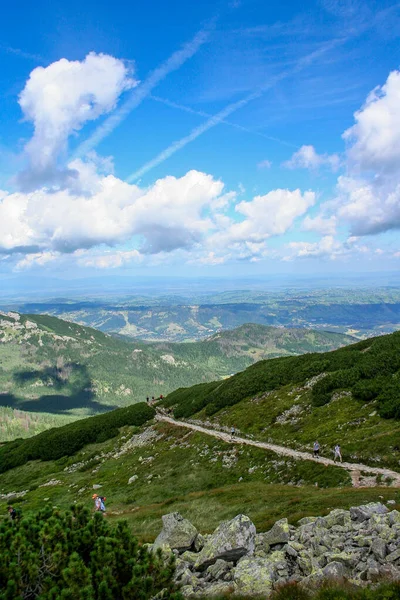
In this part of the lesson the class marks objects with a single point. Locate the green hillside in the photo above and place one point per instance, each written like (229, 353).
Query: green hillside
(147, 468)
(53, 367)
(156, 468)
(350, 395)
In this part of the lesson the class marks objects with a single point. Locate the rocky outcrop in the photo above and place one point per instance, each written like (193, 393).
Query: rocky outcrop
(230, 541)
(177, 533)
(361, 545)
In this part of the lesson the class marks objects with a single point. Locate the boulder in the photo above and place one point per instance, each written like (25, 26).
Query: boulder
(132, 479)
(378, 547)
(220, 570)
(254, 576)
(365, 512)
(334, 570)
(177, 533)
(279, 534)
(230, 541)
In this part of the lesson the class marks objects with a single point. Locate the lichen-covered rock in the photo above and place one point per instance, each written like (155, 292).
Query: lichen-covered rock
(219, 570)
(334, 570)
(230, 541)
(177, 533)
(254, 576)
(279, 534)
(365, 512)
(199, 543)
(378, 547)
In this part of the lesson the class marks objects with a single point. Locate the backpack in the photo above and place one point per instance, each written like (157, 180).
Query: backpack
(102, 503)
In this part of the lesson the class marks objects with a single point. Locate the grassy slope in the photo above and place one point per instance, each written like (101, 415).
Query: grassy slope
(186, 471)
(257, 402)
(52, 366)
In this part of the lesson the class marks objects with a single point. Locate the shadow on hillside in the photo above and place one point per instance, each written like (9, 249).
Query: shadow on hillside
(71, 384)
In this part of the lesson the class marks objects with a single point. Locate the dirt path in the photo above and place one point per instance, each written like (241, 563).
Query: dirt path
(354, 468)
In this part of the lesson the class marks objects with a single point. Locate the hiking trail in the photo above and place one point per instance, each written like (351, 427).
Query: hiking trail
(355, 469)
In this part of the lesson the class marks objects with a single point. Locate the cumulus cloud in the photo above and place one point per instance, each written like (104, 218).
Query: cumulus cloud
(307, 158)
(268, 215)
(60, 99)
(165, 216)
(368, 196)
(375, 137)
(325, 226)
(109, 260)
(326, 247)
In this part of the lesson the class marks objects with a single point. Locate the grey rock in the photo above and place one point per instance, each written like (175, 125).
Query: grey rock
(132, 479)
(334, 570)
(97, 486)
(218, 589)
(364, 512)
(279, 534)
(230, 541)
(199, 543)
(177, 533)
(378, 547)
(393, 556)
(254, 576)
(219, 570)
(306, 520)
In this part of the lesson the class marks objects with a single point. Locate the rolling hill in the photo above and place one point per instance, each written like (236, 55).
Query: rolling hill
(50, 367)
(148, 467)
(360, 311)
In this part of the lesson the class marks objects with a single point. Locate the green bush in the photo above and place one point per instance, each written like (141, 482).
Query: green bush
(72, 556)
(54, 444)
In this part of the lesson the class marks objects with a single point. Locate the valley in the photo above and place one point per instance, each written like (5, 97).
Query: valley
(52, 371)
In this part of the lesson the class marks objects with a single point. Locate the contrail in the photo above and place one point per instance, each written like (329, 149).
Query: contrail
(201, 113)
(176, 60)
(228, 110)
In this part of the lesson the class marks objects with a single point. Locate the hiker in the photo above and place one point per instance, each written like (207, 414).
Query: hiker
(147, 399)
(13, 513)
(316, 449)
(338, 453)
(99, 503)
(233, 432)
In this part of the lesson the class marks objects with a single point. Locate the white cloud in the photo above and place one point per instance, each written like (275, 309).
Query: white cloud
(61, 98)
(264, 164)
(307, 158)
(368, 197)
(375, 137)
(38, 258)
(110, 260)
(166, 216)
(325, 226)
(326, 247)
(268, 215)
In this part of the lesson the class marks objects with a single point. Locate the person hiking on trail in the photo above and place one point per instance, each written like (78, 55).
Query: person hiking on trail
(316, 449)
(233, 432)
(13, 513)
(99, 503)
(147, 399)
(338, 453)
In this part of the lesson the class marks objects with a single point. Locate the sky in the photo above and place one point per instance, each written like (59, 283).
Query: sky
(224, 138)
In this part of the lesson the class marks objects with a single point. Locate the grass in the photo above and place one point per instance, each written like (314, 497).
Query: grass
(184, 471)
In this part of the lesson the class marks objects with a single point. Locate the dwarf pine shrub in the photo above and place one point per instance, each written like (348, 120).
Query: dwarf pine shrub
(71, 555)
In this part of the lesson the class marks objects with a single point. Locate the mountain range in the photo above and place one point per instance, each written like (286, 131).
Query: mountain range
(52, 367)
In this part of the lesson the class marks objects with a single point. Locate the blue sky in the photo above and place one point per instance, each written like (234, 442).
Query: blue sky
(211, 138)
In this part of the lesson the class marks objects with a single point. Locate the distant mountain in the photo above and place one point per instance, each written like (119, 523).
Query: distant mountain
(362, 313)
(48, 365)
